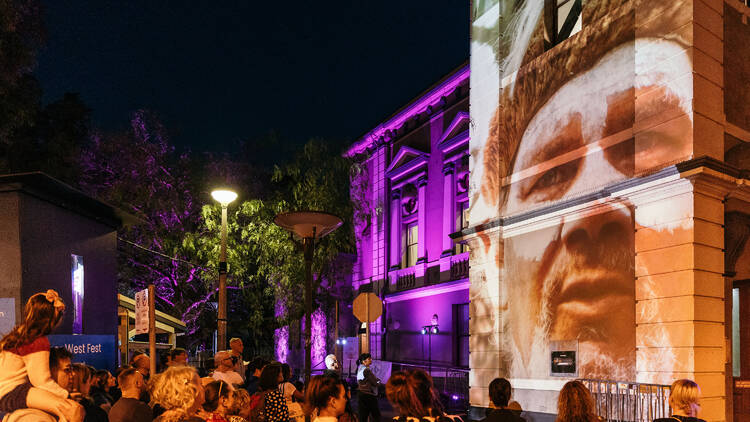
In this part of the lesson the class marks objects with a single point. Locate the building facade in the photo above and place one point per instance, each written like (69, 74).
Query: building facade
(412, 186)
(609, 197)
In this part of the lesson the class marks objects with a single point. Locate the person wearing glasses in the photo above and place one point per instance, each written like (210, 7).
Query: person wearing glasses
(224, 371)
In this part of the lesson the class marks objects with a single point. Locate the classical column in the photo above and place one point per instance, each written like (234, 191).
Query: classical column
(395, 228)
(422, 219)
(449, 207)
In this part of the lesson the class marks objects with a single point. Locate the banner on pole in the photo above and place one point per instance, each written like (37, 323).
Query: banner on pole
(141, 312)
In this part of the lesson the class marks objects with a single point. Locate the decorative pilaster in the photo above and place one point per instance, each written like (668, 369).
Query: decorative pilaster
(422, 219)
(395, 246)
(449, 207)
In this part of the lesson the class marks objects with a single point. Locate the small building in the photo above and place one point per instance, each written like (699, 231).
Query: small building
(53, 236)
(168, 328)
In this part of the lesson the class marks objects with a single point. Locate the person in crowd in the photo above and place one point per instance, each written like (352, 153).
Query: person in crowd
(269, 400)
(179, 392)
(237, 347)
(255, 367)
(367, 389)
(224, 371)
(332, 365)
(684, 397)
(129, 408)
(178, 357)
(115, 391)
(241, 409)
(81, 391)
(413, 394)
(142, 364)
(25, 379)
(61, 366)
(325, 398)
(100, 386)
(219, 401)
(575, 404)
(292, 396)
(502, 410)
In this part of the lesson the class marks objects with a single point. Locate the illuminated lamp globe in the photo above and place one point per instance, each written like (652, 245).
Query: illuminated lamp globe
(224, 196)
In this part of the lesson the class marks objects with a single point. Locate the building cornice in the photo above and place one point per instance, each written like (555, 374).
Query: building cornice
(423, 103)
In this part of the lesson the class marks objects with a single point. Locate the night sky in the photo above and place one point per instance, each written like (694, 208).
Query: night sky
(220, 72)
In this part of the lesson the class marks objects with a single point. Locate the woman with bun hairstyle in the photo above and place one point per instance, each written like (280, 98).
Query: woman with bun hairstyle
(25, 380)
(683, 399)
(413, 395)
(367, 389)
(325, 398)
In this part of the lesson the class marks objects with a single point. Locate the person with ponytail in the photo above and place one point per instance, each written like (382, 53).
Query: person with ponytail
(325, 398)
(683, 399)
(219, 401)
(412, 393)
(25, 379)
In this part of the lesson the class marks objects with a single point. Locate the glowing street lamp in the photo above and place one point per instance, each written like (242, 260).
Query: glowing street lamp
(224, 197)
(308, 225)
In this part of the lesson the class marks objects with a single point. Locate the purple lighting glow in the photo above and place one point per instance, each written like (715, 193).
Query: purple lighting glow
(281, 340)
(318, 336)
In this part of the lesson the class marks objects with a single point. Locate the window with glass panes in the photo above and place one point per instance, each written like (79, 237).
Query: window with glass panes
(409, 242)
(462, 222)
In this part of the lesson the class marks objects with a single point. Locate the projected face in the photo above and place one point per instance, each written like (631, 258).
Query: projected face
(574, 279)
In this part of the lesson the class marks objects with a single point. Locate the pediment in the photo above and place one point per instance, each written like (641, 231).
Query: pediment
(407, 159)
(459, 125)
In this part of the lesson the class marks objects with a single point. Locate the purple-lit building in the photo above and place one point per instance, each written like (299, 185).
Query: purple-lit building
(413, 187)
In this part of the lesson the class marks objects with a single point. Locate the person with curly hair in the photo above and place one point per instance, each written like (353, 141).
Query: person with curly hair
(575, 404)
(413, 394)
(180, 392)
(25, 379)
(684, 397)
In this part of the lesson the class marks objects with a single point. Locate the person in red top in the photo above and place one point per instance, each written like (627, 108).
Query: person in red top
(25, 379)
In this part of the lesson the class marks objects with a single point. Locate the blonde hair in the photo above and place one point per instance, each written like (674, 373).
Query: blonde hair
(683, 396)
(175, 391)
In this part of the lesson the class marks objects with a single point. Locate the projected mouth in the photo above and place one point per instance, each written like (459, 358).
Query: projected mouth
(593, 294)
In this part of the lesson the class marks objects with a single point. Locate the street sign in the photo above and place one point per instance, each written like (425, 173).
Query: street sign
(367, 307)
(141, 312)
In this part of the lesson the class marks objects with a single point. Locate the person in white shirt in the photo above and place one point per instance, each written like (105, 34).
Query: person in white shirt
(224, 371)
(325, 396)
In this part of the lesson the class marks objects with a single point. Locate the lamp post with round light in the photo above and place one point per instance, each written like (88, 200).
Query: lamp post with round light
(224, 197)
(308, 225)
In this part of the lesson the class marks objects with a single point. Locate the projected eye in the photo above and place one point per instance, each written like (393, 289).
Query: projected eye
(553, 183)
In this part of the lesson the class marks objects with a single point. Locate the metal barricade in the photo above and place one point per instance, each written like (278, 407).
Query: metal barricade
(629, 401)
(452, 383)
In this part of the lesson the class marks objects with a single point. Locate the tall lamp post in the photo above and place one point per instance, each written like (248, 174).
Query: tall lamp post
(308, 225)
(224, 197)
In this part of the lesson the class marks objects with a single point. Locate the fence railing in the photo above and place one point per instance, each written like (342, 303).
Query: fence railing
(451, 382)
(629, 401)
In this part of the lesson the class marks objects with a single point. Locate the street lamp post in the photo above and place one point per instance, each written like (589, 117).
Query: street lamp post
(224, 197)
(308, 225)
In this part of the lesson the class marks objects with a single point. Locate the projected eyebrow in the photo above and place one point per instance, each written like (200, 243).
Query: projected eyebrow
(553, 183)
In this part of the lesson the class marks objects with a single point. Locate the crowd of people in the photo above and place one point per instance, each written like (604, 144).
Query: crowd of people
(41, 383)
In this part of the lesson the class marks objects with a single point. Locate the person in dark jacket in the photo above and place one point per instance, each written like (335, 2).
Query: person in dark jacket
(683, 399)
(500, 396)
(367, 389)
